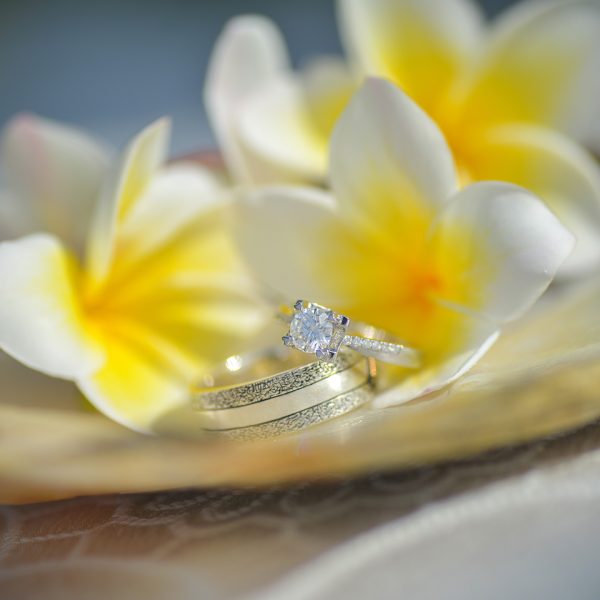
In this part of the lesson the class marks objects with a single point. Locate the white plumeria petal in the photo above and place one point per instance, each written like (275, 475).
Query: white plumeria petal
(275, 126)
(54, 173)
(557, 170)
(144, 155)
(281, 232)
(288, 122)
(134, 387)
(507, 243)
(328, 83)
(426, 381)
(389, 162)
(543, 66)
(249, 54)
(175, 198)
(421, 45)
(41, 322)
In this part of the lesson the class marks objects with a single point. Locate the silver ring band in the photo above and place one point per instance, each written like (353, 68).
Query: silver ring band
(317, 329)
(288, 400)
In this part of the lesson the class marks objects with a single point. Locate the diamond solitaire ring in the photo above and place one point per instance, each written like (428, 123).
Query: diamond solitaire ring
(318, 330)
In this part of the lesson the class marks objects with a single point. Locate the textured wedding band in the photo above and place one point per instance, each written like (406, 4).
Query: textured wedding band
(289, 400)
(318, 330)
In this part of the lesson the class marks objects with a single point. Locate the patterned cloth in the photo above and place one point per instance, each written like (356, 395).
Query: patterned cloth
(518, 523)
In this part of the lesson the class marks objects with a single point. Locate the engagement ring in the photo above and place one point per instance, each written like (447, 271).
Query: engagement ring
(320, 331)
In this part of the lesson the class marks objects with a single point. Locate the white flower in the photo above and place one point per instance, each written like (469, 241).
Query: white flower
(398, 245)
(124, 280)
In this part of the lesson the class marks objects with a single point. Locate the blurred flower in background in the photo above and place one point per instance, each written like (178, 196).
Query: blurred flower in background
(517, 100)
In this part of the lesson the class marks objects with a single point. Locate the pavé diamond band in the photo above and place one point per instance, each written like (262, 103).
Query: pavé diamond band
(244, 405)
(318, 330)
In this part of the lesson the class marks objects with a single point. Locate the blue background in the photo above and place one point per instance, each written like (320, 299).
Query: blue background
(114, 66)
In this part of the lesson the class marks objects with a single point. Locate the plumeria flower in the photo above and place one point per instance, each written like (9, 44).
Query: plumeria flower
(135, 307)
(399, 245)
(517, 100)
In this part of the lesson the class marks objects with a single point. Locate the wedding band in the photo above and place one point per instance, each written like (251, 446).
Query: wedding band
(287, 400)
(318, 330)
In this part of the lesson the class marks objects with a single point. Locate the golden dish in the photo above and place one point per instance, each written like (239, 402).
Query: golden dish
(541, 378)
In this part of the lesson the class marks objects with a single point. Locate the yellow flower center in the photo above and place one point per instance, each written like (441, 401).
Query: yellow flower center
(396, 276)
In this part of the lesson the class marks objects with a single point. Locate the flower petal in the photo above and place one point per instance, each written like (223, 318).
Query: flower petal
(276, 127)
(54, 173)
(502, 246)
(390, 165)
(282, 234)
(557, 170)
(543, 67)
(133, 388)
(130, 178)
(482, 335)
(421, 45)
(41, 323)
(328, 84)
(248, 55)
(175, 198)
(288, 122)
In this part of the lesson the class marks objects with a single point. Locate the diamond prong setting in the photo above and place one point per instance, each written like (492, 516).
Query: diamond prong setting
(326, 355)
(317, 330)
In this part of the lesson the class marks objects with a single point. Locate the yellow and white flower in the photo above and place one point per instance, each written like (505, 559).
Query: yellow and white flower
(135, 310)
(517, 101)
(272, 124)
(399, 245)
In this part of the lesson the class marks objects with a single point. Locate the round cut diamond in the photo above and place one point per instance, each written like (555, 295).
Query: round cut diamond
(311, 329)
